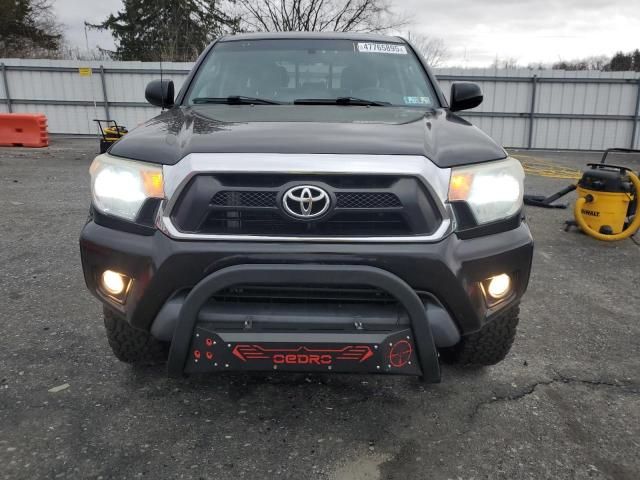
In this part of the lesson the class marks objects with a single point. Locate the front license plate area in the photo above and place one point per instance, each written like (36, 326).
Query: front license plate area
(388, 352)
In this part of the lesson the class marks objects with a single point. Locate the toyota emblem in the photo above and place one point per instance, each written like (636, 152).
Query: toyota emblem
(306, 202)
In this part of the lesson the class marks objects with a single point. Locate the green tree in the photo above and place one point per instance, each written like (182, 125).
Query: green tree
(28, 29)
(621, 62)
(171, 30)
(636, 60)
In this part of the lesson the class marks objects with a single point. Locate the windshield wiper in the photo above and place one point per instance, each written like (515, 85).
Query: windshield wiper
(340, 101)
(236, 100)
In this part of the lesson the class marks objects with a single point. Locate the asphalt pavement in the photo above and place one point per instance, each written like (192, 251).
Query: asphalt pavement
(565, 404)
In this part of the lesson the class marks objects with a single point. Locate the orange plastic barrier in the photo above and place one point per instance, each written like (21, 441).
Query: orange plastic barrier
(23, 130)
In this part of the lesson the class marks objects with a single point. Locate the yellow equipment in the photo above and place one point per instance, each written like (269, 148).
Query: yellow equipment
(110, 133)
(607, 205)
(606, 195)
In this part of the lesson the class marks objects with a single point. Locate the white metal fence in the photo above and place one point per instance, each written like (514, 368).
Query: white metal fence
(522, 108)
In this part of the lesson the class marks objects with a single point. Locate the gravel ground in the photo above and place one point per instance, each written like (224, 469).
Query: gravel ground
(564, 404)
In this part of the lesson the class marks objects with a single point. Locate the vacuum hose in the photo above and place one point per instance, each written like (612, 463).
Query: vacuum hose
(626, 233)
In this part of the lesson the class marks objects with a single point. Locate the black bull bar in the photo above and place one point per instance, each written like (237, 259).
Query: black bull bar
(187, 353)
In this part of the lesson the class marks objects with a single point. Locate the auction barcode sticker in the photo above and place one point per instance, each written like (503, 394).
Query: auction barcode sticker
(393, 48)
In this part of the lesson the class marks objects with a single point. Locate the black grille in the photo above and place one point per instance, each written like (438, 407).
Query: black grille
(367, 200)
(364, 206)
(266, 199)
(275, 224)
(290, 308)
(299, 294)
(256, 199)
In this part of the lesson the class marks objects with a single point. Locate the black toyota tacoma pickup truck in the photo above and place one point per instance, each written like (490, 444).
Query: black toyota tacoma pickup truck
(308, 202)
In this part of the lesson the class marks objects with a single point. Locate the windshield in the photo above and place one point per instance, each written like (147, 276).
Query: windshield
(286, 71)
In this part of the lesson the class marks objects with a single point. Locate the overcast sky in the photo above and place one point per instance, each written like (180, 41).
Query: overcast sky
(474, 31)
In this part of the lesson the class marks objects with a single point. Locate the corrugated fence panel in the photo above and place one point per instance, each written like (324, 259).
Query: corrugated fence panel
(572, 110)
(132, 117)
(71, 119)
(500, 97)
(568, 97)
(47, 85)
(588, 98)
(126, 86)
(578, 134)
(71, 93)
(504, 130)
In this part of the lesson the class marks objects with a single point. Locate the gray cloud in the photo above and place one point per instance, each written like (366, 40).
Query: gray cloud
(474, 31)
(73, 13)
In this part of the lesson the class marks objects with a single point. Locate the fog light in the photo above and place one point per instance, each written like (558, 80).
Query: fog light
(499, 286)
(114, 283)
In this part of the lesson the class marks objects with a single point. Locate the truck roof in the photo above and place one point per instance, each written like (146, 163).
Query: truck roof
(370, 37)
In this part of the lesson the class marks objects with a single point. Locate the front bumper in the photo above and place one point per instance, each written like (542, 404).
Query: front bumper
(198, 347)
(450, 270)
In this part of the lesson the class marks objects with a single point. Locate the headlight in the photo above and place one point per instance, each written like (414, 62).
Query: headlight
(492, 190)
(120, 187)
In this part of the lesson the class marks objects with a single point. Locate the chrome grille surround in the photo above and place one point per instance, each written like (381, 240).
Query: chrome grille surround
(176, 178)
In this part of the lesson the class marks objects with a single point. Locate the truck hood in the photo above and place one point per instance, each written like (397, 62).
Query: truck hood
(439, 135)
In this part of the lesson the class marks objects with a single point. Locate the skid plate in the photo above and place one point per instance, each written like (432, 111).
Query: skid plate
(303, 351)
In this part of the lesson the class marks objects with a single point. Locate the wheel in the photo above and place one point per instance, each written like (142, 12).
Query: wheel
(131, 345)
(489, 345)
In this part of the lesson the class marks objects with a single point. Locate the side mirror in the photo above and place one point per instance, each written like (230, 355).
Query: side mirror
(160, 93)
(465, 95)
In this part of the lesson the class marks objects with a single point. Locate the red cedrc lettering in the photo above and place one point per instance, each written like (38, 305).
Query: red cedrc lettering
(302, 359)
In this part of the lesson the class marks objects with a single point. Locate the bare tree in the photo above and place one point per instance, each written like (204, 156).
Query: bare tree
(69, 52)
(317, 15)
(432, 49)
(537, 66)
(599, 62)
(509, 63)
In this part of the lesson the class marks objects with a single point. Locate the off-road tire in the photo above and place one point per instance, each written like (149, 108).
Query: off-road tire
(131, 345)
(487, 346)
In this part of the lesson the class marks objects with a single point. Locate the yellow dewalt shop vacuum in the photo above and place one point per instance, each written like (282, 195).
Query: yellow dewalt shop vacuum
(607, 205)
